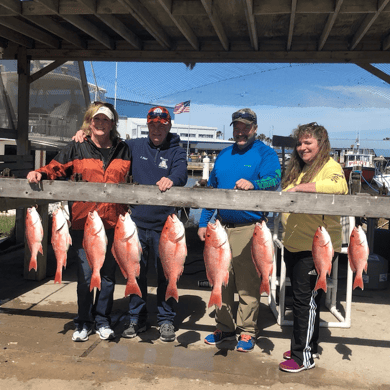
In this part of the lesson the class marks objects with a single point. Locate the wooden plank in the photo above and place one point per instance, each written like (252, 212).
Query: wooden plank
(351, 205)
(11, 203)
(14, 158)
(215, 56)
(40, 274)
(17, 165)
(8, 133)
(376, 72)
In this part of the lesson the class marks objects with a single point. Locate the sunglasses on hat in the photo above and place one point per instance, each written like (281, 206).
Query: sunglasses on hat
(162, 115)
(244, 115)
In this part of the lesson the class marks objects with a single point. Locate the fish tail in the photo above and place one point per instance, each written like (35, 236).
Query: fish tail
(33, 264)
(95, 282)
(321, 283)
(172, 291)
(264, 286)
(358, 282)
(215, 298)
(58, 277)
(132, 288)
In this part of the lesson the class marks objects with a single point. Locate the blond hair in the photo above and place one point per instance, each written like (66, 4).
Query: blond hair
(296, 164)
(91, 111)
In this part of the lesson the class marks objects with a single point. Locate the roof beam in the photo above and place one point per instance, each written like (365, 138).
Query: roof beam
(292, 23)
(216, 22)
(367, 23)
(139, 12)
(47, 69)
(81, 23)
(12, 5)
(55, 28)
(250, 18)
(375, 71)
(181, 24)
(14, 36)
(329, 24)
(115, 24)
(29, 31)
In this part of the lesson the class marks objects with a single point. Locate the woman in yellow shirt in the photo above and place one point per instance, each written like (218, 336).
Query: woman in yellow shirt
(311, 169)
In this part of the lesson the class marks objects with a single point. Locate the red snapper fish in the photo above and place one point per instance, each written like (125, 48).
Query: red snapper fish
(173, 252)
(217, 258)
(358, 252)
(95, 246)
(323, 252)
(262, 251)
(34, 235)
(60, 240)
(127, 251)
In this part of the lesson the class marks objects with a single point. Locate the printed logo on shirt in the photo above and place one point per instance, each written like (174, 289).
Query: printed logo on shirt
(163, 163)
(248, 166)
(312, 272)
(143, 158)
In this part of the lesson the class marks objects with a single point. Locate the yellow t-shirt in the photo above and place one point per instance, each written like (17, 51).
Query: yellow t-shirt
(299, 229)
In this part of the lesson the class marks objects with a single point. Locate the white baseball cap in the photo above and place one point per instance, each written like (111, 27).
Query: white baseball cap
(106, 111)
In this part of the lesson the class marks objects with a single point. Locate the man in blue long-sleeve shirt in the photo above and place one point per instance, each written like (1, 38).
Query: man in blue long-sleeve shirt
(247, 165)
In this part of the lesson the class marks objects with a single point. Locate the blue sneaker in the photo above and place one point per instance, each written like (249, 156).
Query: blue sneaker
(246, 343)
(218, 336)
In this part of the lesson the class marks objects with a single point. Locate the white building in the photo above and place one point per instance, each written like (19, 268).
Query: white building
(137, 128)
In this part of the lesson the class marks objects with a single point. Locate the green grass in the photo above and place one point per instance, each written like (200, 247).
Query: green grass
(7, 223)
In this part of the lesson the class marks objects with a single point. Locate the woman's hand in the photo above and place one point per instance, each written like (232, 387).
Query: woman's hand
(79, 136)
(34, 177)
(304, 187)
(202, 233)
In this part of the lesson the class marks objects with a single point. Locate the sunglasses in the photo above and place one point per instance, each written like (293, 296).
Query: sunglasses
(244, 115)
(108, 105)
(162, 115)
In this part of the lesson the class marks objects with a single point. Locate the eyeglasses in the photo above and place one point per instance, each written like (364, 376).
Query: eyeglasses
(244, 115)
(162, 115)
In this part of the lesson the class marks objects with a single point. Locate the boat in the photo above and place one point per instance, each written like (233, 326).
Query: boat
(358, 160)
(382, 174)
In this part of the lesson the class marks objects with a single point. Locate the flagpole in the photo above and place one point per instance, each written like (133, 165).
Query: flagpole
(188, 136)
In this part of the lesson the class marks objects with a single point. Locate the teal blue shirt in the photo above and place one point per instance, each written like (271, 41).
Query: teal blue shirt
(257, 163)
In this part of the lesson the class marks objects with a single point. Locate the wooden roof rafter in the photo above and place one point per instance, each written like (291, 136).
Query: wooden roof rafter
(248, 7)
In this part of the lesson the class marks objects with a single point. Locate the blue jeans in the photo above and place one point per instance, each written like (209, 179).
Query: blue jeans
(92, 312)
(137, 306)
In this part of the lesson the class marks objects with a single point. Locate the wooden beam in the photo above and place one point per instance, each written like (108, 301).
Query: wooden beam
(47, 69)
(84, 84)
(217, 56)
(367, 23)
(292, 23)
(90, 29)
(181, 24)
(375, 71)
(8, 133)
(14, 36)
(11, 204)
(55, 28)
(216, 22)
(146, 19)
(250, 19)
(329, 24)
(29, 31)
(14, 6)
(324, 204)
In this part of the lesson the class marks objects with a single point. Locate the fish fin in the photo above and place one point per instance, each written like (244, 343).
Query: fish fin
(40, 249)
(58, 277)
(70, 240)
(358, 282)
(172, 292)
(329, 272)
(33, 264)
(365, 268)
(95, 282)
(132, 288)
(321, 283)
(264, 286)
(215, 299)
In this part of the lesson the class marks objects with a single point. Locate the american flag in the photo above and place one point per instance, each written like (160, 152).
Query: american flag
(182, 107)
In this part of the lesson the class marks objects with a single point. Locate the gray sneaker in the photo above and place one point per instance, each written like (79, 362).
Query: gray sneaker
(133, 330)
(167, 332)
(105, 333)
(81, 334)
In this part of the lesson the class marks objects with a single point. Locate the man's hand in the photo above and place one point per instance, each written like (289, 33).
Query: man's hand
(243, 184)
(79, 136)
(164, 184)
(202, 233)
(34, 177)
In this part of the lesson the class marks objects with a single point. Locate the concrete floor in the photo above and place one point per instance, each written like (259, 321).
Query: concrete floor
(36, 350)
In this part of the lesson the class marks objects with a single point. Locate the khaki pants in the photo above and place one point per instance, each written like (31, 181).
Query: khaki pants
(244, 280)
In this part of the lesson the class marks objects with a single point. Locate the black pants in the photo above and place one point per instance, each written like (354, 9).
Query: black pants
(306, 306)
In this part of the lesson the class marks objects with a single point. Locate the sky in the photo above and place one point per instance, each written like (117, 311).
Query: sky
(344, 98)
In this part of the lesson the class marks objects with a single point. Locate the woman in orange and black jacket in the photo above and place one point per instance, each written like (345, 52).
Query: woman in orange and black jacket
(103, 158)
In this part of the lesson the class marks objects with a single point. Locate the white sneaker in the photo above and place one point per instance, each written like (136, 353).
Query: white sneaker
(81, 334)
(105, 333)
